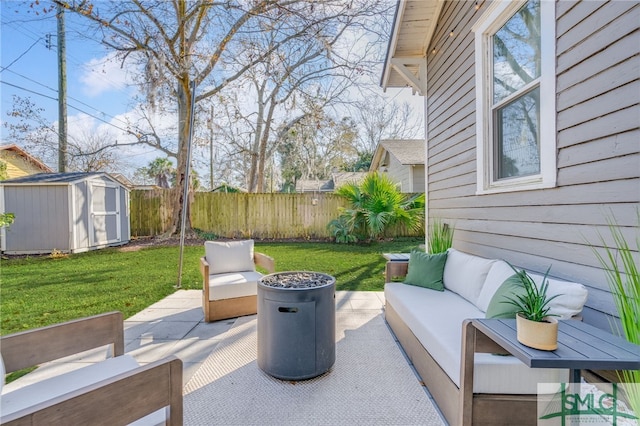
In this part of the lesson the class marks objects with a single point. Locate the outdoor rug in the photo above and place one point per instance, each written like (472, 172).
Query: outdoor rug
(371, 383)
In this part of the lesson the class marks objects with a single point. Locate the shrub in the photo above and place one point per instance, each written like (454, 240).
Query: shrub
(375, 205)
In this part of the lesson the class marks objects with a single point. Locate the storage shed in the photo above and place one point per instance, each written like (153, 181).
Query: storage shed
(69, 212)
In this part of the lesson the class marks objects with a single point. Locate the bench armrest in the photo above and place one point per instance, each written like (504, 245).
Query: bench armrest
(204, 271)
(264, 261)
(33, 347)
(120, 399)
(394, 269)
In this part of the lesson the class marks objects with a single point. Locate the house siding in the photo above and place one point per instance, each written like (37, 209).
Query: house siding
(400, 174)
(598, 148)
(417, 178)
(17, 166)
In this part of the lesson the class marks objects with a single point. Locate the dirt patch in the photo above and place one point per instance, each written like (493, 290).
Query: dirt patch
(193, 240)
(138, 243)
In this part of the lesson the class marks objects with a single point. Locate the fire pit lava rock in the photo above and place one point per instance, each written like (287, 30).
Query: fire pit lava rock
(296, 324)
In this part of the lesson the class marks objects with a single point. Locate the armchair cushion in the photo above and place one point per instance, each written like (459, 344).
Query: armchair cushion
(233, 284)
(229, 256)
(53, 387)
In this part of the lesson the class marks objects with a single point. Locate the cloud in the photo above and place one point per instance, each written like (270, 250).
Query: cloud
(101, 75)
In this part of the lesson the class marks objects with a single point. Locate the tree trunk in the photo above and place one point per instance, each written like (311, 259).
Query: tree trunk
(184, 121)
(253, 170)
(262, 154)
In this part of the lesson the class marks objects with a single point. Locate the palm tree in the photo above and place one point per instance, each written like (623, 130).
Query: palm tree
(161, 170)
(376, 204)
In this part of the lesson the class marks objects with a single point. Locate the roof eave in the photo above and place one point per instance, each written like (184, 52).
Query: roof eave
(393, 41)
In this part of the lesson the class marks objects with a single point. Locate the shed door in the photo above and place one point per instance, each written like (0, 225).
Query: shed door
(104, 226)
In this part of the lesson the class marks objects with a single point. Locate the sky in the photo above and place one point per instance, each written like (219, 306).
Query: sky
(98, 95)
(99, 92)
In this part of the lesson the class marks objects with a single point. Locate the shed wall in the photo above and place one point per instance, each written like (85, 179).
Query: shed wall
(80, 216)
(598, 147)
(42, 219)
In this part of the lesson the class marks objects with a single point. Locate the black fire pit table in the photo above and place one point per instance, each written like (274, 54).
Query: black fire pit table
(296, 324)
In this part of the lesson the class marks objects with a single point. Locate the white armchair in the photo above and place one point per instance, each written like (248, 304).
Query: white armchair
(230, 279)
(114, 391)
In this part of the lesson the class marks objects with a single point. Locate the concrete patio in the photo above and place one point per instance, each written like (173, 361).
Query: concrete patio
(175, 326)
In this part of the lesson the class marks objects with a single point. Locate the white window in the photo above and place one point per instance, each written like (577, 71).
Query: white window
(515, 96)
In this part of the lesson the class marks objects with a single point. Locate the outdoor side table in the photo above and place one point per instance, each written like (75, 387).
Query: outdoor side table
(397, 264)
(580, 346)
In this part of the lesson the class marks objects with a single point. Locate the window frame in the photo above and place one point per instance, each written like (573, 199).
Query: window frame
(496, 15)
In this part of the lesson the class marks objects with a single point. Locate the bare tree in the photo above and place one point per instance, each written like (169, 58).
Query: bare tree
(184, 44)
(378, 120)
(87, 150)
(315, 147)
(312, 75)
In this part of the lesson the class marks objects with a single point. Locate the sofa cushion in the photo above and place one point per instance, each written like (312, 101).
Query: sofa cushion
(426, 270)
(435, 318)
(499, 272)
(500, 305)
(465, 274)
(229, 256)
(571, 296)
(233, 284)
(47, 389)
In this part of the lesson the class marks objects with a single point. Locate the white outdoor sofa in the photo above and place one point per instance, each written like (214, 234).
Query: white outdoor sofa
(429, 326)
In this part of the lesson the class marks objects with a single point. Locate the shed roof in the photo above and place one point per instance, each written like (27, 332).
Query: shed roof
(52, 178)
(406, 151)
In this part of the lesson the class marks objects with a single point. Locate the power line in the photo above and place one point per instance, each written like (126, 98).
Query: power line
(70, 97)
(27, 32)
(71, 106)
(23, 53)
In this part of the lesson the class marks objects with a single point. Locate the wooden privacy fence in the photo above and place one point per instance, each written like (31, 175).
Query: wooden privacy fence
(242, 215)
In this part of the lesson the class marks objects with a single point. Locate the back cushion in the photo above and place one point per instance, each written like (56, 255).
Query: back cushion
(498, 274)
(571, 299)
(465, 274)
(229, 256)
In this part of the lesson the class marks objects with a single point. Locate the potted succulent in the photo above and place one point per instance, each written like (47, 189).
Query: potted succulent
(535, 327)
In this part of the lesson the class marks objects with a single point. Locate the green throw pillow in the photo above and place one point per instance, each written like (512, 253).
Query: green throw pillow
(499, 306)
(426, 270)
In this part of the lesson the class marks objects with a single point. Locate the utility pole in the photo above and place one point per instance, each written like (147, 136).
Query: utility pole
(62, 92)
(211, 150)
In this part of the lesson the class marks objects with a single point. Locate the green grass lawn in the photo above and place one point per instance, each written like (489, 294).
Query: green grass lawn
(39, 291)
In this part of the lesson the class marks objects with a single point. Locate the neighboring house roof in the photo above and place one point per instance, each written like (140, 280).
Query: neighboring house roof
(406, 151)
(342, 178)
(12, 154)
(228, 188)
(150, 187)
(55, 178)
(329, 185)
(310, 185)
(414, 24)
(122, 179)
